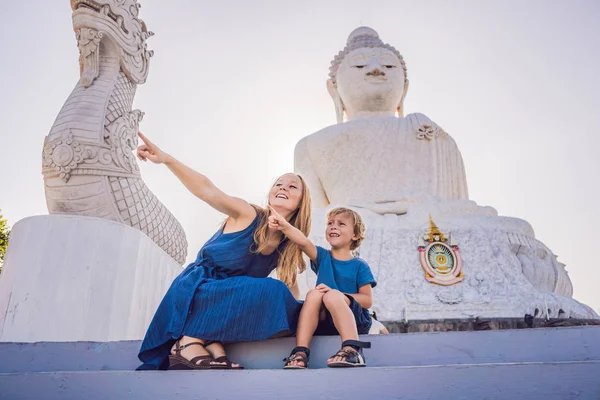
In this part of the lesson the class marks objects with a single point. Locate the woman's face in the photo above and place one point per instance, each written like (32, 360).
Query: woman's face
(286, 194)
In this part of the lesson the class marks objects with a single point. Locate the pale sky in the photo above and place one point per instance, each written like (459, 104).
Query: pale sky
(234, 85)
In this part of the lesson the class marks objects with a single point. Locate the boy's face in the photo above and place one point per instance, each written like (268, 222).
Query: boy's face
(340, 231)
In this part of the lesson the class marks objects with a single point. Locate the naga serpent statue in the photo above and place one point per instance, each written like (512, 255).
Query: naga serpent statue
(88, 165)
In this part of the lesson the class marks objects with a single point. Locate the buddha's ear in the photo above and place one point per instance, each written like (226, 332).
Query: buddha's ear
(337, 100)
(401, 105)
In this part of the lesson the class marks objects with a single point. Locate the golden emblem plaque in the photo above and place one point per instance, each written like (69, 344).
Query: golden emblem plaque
(440, 257)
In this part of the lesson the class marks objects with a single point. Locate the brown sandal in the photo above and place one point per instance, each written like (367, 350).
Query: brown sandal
(223, 359)
(178, 362)
(298, 354)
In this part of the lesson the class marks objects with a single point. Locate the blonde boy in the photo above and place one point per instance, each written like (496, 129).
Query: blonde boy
(340, 301)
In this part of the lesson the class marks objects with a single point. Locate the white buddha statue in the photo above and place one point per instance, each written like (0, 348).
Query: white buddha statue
(398, 171)
(374, 157)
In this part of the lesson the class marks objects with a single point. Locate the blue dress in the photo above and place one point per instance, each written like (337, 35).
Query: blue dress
(224, 295)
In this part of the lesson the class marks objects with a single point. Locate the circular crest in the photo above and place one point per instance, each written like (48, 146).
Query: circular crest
(441, 258)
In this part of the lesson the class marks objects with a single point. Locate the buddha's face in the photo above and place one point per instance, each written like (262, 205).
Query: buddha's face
(370, 79)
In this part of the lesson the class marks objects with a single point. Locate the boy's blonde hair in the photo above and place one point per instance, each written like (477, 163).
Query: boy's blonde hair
(359, 225)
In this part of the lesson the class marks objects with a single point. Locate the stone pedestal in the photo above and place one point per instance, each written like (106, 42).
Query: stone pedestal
(507, 272)
(71, 278)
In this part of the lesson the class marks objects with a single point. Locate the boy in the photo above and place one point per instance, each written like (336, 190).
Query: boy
(340, 301)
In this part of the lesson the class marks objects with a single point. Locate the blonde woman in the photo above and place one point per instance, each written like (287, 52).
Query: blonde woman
(225, 295)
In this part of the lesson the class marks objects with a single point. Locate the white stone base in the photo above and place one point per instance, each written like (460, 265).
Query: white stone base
(507, 272)
(71, 278)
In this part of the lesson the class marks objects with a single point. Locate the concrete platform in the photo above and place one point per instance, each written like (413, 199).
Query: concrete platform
(548, 381)
(411, 349)
(546, 363)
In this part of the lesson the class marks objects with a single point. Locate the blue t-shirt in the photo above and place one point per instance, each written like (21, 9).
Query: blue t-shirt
(347, 276)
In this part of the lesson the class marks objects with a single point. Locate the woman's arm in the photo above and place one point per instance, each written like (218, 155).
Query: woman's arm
(276, 221)
(198, 184)
(364, 297)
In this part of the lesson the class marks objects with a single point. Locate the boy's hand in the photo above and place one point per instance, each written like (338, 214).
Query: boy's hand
(276, 221)
(323, 288)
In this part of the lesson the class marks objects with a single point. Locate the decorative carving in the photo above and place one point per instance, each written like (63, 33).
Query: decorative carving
(88, 41)
(442, 262)
(429, 132)
(63, 155)
(66, 155)
(121, 135)
(118, 19)
(448, 296)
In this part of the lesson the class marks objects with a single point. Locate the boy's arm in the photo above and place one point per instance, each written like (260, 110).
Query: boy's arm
(364, 297)
(276, 221)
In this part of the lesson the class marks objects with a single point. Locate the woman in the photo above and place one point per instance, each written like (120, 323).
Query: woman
(225, 294)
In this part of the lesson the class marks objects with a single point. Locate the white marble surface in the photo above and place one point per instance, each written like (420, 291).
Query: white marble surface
(70, 278)
(381, 164)
(88, 162)
(507, 272)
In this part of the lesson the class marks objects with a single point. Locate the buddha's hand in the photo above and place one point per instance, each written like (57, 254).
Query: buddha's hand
(150, 151)
(397, 207)
(277, 222)
(397, 203)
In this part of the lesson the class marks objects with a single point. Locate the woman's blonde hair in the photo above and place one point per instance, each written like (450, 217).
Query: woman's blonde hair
(290, 259)
(359, 225)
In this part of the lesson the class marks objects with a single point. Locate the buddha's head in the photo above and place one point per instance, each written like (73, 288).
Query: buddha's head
(367, 76)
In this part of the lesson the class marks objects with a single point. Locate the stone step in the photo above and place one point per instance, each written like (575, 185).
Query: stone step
(544, 345)
(549, 381)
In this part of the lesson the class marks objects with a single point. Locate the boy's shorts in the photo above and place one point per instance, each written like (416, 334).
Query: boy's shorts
(361, 316)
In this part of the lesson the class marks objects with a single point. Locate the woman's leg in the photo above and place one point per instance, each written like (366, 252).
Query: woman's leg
(216, 350)
(308, 321)
(337, 303)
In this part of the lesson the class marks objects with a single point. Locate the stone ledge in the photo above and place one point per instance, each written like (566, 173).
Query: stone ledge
(554, 380)
(483, 324)
(413, 349)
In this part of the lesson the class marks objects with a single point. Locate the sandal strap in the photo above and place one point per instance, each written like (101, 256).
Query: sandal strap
(202, 359)
(345, 353)
(179, 347)
(294, 356)
(224, 359)
(303, 349)
(357, 343)
(191, 344)
(211, 342)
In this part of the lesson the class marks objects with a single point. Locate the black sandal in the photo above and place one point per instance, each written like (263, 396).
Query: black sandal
(350, 358)
(295, 356)
(223, 359)
(178, 362)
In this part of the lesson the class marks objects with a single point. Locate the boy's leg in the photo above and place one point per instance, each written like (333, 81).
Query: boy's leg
(308, 321)
(337, 303)
(309, 318)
